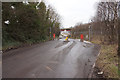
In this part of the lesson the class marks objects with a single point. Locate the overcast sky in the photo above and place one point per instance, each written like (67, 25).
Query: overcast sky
(74, 11)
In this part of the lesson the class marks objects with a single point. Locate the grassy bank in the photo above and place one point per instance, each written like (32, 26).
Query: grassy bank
(16, 44)
(107, 61)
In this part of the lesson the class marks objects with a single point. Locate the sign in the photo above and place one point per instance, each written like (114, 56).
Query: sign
(66, 39)
(81, 37)
(54, 35)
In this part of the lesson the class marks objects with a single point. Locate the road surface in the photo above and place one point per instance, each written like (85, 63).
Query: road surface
(52, 59)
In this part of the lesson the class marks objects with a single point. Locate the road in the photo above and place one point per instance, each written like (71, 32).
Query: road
(52, 59)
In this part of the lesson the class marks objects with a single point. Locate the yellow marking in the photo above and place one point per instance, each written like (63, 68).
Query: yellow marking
(49, 68)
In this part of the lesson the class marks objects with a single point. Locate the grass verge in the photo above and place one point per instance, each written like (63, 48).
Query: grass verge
(107, 61)
(15, 44)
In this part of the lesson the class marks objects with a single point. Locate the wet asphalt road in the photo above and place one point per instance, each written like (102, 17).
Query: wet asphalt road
(52, 59)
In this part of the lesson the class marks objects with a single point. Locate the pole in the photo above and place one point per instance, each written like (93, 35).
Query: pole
(118, 41)
(89, 32)
(50, 32)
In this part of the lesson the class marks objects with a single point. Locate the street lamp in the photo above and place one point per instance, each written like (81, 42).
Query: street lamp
(89, 32)
(50, 27)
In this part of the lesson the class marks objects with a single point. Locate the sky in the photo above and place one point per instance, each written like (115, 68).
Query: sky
(74, 11)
